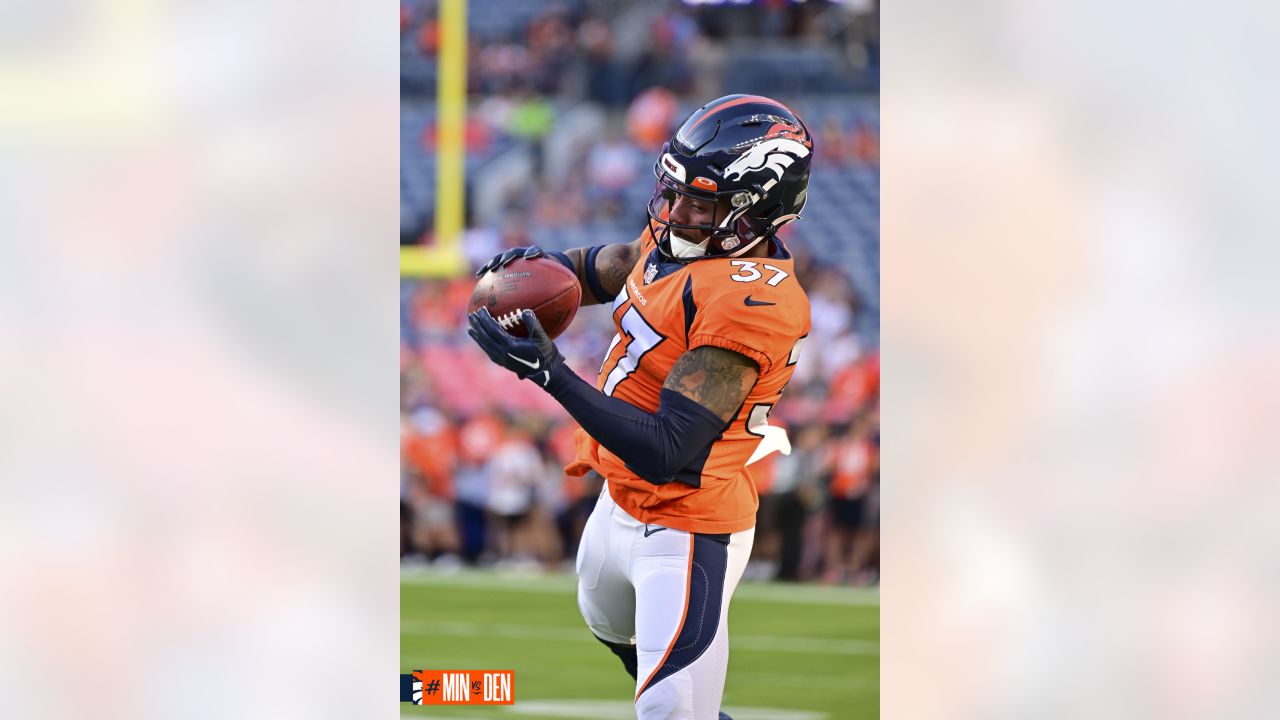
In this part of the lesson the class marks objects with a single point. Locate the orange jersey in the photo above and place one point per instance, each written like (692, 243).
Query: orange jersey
(753, 306)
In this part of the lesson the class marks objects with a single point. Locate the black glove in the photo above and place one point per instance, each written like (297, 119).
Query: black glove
(504, 259)
(534, 357)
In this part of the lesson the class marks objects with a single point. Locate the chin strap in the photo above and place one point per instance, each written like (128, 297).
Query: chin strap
(686, 249)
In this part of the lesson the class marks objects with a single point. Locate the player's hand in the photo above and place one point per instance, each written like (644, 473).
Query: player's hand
(535, 357)
(504, 259)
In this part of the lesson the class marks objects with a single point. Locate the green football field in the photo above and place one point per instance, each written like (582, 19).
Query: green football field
(797, 652)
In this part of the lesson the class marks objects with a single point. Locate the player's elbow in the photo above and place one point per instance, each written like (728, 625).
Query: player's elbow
(683, 432)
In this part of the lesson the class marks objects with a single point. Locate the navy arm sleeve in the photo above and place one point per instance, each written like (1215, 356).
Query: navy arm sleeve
(654, 446)
(593, 277)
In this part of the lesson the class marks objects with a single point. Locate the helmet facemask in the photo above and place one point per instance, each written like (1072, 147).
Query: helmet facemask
(729, 232)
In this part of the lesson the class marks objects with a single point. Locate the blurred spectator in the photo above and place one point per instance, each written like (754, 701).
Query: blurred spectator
(651, 117)
(498, 68)
(866, 144)
(478, 439)
(514, 471)
(428, 37)
(798, 484)
(766, 545)
(551, 50)
(603, 72)
(476, 135)
(851, 540)
(531, 116)
(577, 493)
(663, 62)
(530, 120)
(562, 206)
(426, 461)
(612, 166)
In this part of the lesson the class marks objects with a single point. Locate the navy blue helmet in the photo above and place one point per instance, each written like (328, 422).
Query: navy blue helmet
(746, 155)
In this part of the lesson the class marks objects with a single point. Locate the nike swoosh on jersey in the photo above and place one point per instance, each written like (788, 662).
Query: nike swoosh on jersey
(648, 532)
(748, 301)
(532, 365)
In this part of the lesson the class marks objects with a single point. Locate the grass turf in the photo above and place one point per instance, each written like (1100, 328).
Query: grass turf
(809, 650)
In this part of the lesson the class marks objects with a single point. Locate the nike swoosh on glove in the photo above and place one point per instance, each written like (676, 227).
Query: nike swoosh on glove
(535, 357)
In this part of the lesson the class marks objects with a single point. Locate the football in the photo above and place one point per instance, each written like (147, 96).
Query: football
(539, 284)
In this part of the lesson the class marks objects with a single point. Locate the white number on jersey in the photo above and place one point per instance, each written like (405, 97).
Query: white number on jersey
(749, 273)
(641, 338)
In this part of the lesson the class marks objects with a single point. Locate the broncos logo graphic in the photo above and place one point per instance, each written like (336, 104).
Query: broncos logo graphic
(775, 154)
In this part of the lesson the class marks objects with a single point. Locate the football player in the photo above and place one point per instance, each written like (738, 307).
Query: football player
(710, 319)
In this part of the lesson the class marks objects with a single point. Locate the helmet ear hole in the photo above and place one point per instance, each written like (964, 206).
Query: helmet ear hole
(750, 228)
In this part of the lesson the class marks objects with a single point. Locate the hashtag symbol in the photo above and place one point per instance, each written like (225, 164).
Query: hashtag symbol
(432, 687)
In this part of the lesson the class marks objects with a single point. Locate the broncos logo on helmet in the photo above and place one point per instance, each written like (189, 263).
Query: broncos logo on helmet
(776, 155)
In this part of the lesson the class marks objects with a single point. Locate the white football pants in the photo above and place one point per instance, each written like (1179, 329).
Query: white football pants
(668, 590)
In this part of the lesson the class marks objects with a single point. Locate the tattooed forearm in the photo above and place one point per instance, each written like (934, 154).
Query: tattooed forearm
(715, 378)
(613, 264)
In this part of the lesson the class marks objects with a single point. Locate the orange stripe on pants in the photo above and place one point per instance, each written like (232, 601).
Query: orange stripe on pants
(688, 589)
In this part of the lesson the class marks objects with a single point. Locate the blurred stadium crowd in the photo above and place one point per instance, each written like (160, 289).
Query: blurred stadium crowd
(569, 103)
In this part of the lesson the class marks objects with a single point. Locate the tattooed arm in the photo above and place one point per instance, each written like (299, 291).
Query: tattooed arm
(717, 379)
(603, 277)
